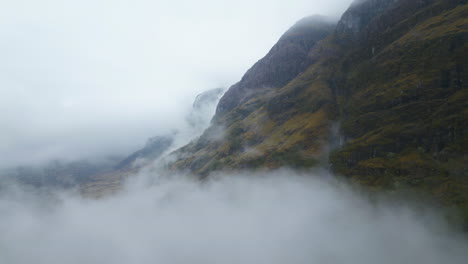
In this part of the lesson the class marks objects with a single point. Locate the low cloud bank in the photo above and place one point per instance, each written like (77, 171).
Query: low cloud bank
(277, 217)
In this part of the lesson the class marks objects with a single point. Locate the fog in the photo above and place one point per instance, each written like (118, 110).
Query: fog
(276, 217)
(84, 79)
(88, 79)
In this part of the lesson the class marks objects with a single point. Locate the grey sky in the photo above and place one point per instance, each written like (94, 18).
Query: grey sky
(81, 79)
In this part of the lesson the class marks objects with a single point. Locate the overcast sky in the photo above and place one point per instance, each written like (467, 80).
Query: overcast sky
(89, 78)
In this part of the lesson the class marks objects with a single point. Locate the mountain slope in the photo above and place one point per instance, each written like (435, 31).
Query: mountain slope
(382, 97)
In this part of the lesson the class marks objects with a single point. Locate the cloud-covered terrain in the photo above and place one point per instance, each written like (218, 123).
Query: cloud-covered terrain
(279, 217)
(83, 79)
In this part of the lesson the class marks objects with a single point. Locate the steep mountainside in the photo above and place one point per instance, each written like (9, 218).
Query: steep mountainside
(382, 97)
(402, 99)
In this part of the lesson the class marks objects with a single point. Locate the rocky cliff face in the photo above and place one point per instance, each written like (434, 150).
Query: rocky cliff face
(402, 96)
(382, 97)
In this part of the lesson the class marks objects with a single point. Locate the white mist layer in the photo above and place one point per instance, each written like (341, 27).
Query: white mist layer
(276, 218)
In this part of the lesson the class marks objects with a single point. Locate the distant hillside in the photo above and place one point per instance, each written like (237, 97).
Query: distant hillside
(57, 174)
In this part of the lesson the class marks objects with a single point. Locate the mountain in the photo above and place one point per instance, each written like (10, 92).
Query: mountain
(380, 97)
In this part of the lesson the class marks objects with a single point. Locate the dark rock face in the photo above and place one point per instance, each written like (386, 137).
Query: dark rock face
(286, 60)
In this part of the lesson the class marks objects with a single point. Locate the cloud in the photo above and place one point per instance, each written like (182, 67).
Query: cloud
(279, 217)
(81, 79)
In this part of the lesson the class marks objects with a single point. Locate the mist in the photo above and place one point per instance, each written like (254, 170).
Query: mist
(275, 217)
(95, 79)
(86, 79)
